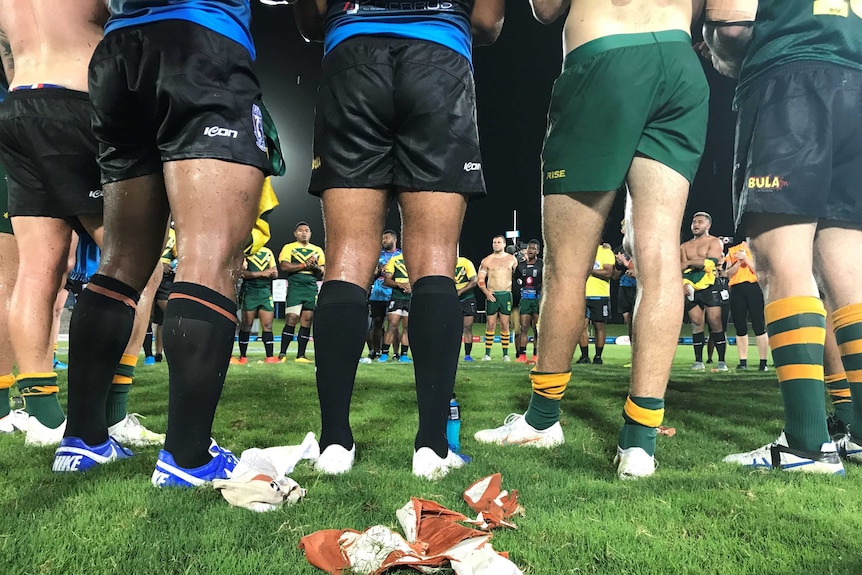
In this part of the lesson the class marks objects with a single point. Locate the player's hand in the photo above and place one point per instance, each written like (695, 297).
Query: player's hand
(492, 297)
(406, 288)
(272, 273)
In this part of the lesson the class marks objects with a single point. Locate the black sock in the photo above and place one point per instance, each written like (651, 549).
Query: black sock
(148, 342)
(243, 342)
(522, 351)
(406, 348)
(98, 333)
(302, 341)
(286, 338)
(340, 326)
(599, 351)
(436, 324)
(468, 347)
(267, 343)
(743, 363)
(198, 331)
(762, 363)
(384, 349)
(720, 344)
(697, 340)
(585, 351)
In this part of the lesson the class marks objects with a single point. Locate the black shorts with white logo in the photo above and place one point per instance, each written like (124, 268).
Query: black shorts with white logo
(396, 113)
(707, 297)
(50, 153)
(598, 309)
(469, 308)
(799, 145)
(174, 90)
(165, 286)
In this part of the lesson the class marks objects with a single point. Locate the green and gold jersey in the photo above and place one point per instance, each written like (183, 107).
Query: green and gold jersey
(794, 30)
(296, 253)
(464, 272)
(398, 269)
(260, 261)
(169, 254)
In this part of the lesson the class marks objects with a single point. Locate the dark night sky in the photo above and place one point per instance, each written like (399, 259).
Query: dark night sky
(513, 84)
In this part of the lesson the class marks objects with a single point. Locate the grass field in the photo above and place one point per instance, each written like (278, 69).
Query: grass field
(696, 515)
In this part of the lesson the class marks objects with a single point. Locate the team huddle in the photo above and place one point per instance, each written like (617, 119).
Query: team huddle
(168, 123)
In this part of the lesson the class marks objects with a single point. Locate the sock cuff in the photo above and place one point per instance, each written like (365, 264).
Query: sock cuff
(129, 360)
(204, 296)
(847, 315)
(304, 331)
(840, 392)
(30, 384)
(550, 385)
(7, 381)
(698, 337)
(40, 376)
(794, 305)
(646, 411)
(434, 285)
(114, 289)
(341, 292)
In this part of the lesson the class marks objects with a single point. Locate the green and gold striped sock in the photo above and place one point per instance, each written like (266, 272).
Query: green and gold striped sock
(797, 332)
(848, 331)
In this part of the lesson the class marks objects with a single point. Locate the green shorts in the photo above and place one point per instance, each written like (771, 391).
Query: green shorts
(529, 307)
(5, 222)
(503, 304)
(302, 295)
(254, 299)
(622, 96)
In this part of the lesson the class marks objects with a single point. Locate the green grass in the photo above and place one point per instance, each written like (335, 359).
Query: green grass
(696, 515)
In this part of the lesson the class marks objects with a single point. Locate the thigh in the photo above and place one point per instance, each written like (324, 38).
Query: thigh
(214, 204)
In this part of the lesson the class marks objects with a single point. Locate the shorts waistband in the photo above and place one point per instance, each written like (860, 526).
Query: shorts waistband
(606, 43)
(28, 92)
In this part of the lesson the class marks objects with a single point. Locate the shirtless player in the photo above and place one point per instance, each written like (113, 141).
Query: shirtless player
(701, 255)
(650, 135)
(50, 153)
(495, 281)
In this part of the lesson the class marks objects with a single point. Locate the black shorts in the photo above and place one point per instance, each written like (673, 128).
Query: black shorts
(707, 297)
(377, 309)
(746, 303)
(157, 316)
(399, 306)
(164, 290)
(798, 144)
(396, 112)
(626, 299)
(468, 307)
(50, 153)
(598, 309)
(174, 90)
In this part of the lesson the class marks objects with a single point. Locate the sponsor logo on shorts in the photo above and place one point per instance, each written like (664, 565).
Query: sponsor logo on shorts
(472, 166)
(555, 174)
(768, 183)
(315, 163)
(257, 122)
(350, 7)
(96, 194)
(213, 131)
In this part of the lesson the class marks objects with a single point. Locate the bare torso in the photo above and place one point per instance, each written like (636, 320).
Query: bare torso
(697, 249)
(591, 19)
(499, 269)
(51, 41)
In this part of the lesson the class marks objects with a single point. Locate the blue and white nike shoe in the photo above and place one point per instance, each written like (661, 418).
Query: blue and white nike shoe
(74, 455)
(779, 455)
(169, 474)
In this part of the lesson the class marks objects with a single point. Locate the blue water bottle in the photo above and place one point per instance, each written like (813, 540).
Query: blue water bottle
(453, 426)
